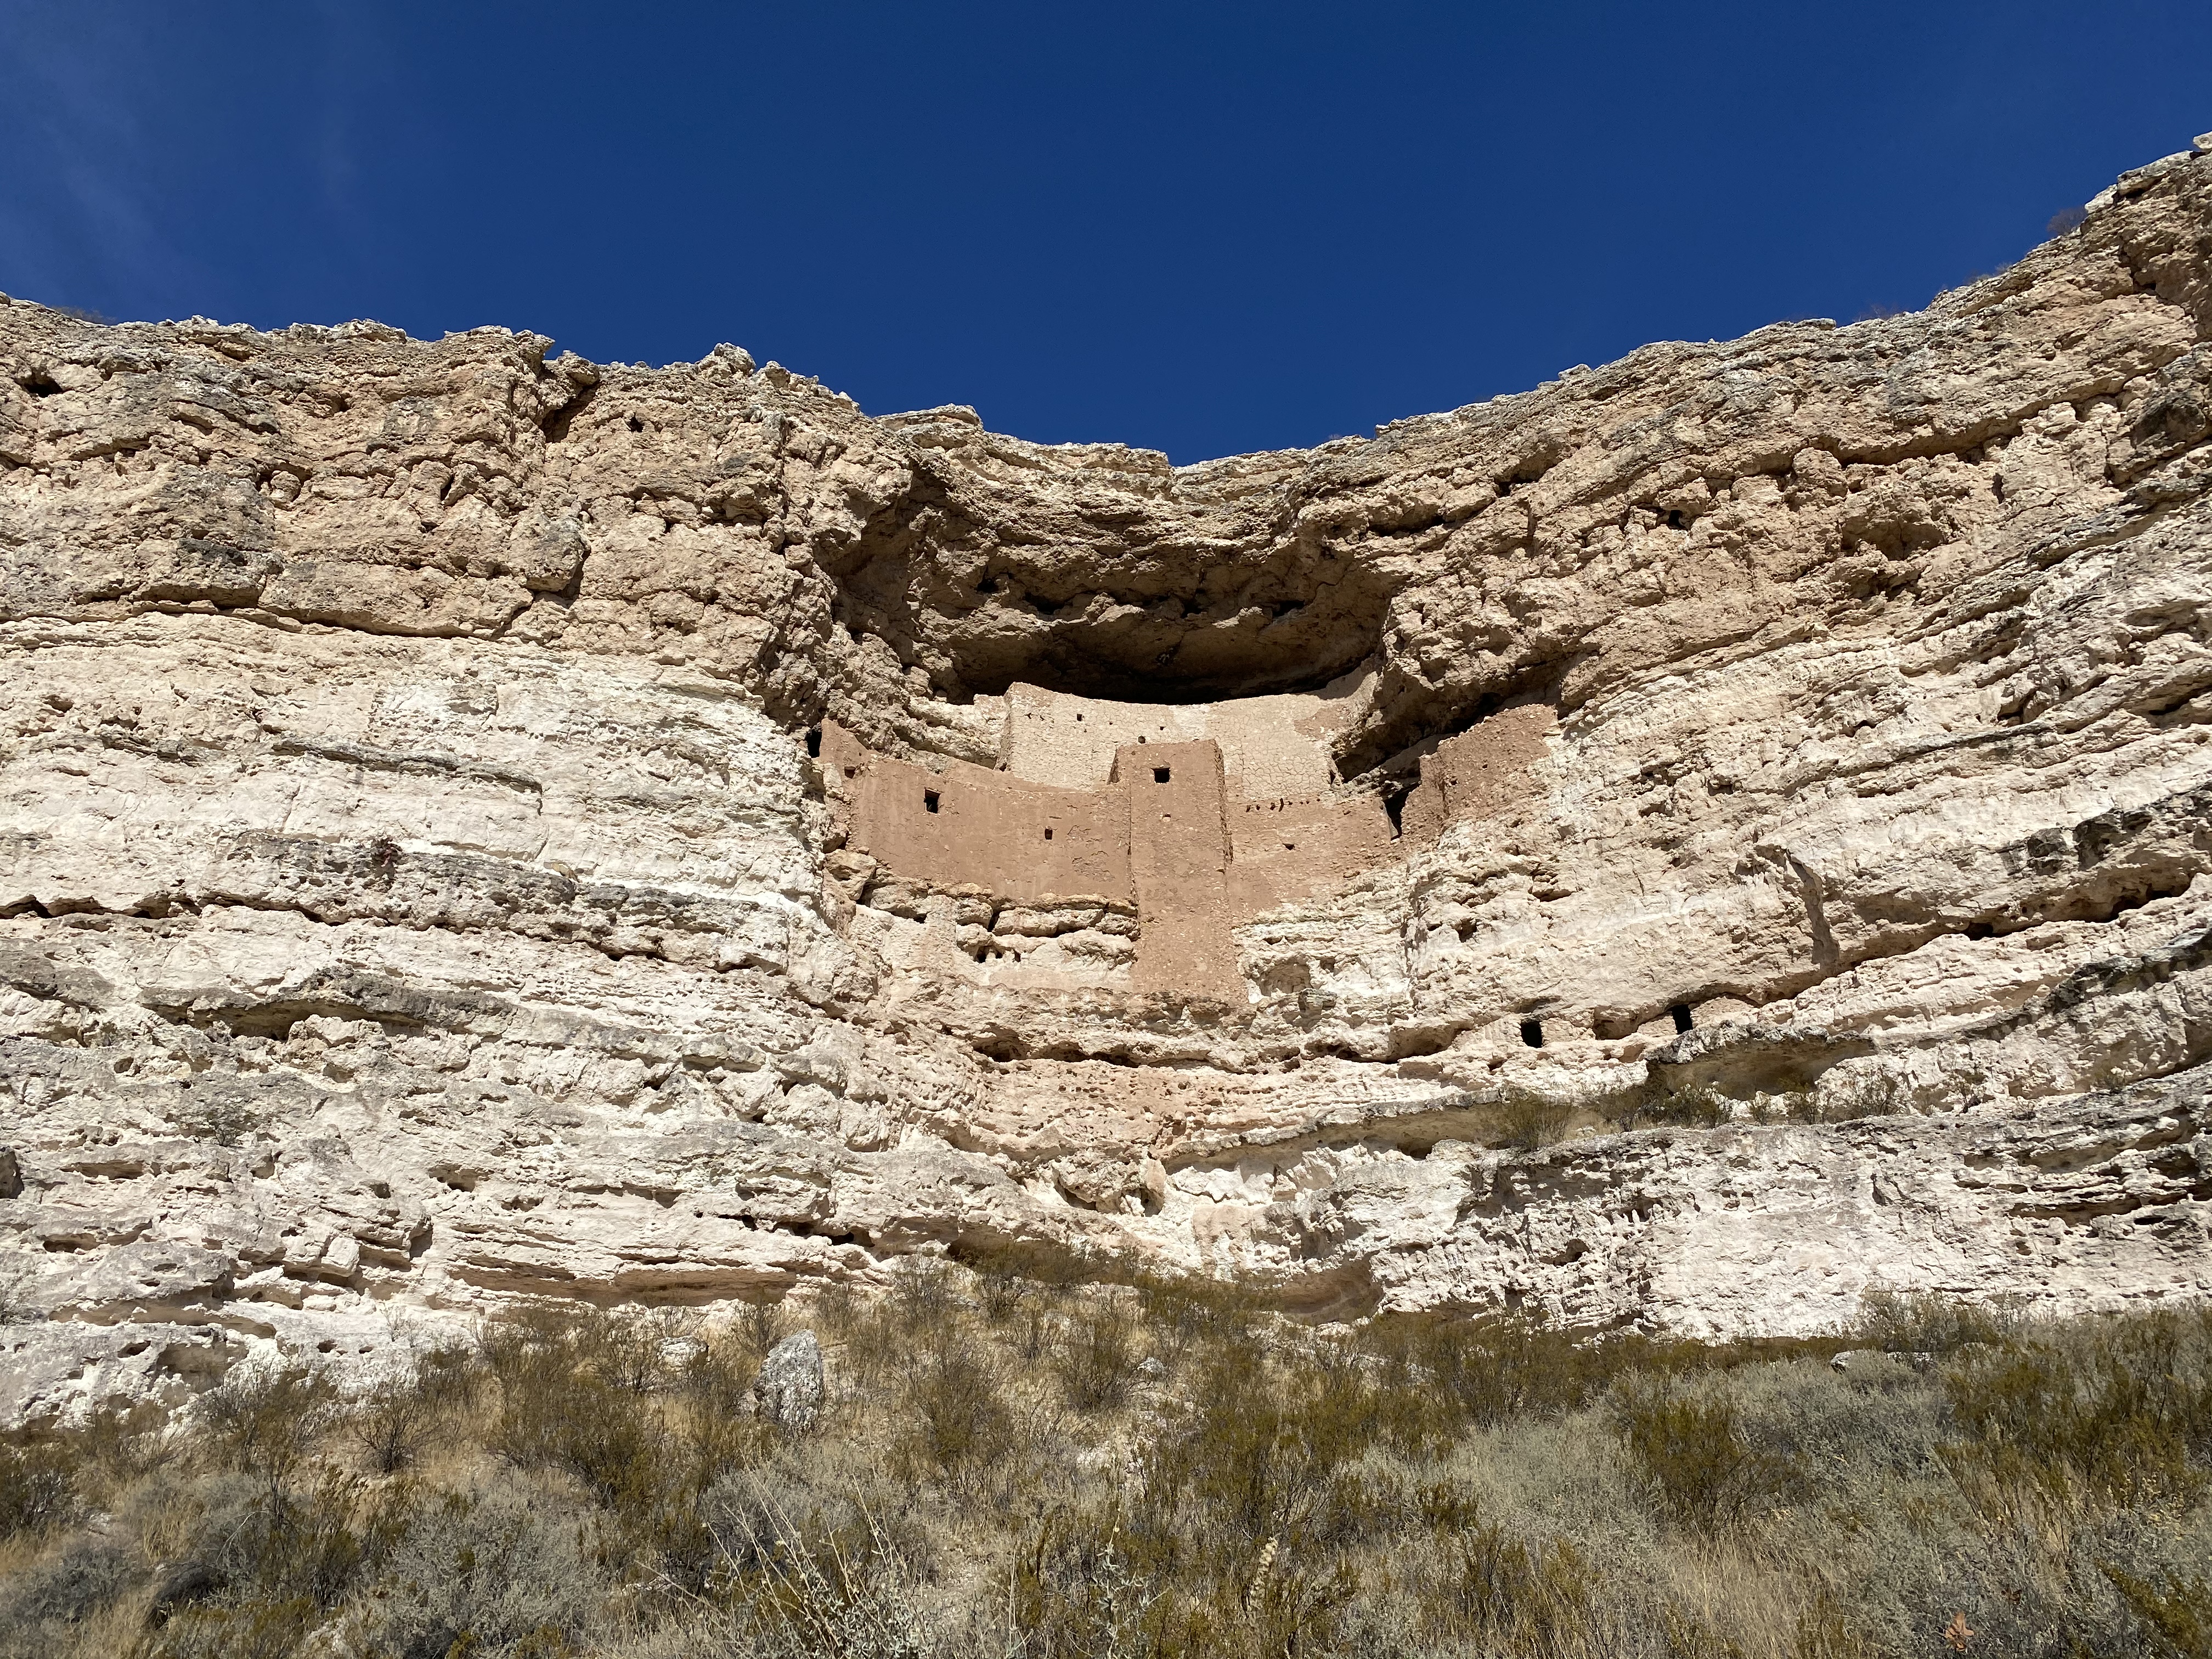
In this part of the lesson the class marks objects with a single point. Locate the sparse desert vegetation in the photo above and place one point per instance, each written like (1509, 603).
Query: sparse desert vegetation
(1013, 1463)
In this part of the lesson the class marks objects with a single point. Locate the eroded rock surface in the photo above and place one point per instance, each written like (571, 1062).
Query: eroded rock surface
(1676, 847)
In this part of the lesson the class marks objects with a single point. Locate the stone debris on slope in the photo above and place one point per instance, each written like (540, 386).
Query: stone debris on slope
(1746, 838)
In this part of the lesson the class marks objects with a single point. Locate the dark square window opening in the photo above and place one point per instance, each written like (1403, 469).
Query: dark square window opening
(929, 800)
(1047, 834)
(1160, 775)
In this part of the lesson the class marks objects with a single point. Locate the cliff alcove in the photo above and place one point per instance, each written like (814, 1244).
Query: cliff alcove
(1141, 583)
(1672, 849)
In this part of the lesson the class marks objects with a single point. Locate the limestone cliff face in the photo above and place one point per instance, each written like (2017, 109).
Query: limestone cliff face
(1678, 846)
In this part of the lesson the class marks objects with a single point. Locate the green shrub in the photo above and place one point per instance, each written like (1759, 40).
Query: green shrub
(561, 1416)
(1527, 1596)
(265, 1418)
(1072, 1590)
(38, 1486)
(922, 1297)
(479, 1573)
(956, 1415)
(759, 1327)
(1097, 1352)
(396, 1421)
(1527, 1121)
(1703, 1470)
(1178, 1313)
(1000, 1292)
(271, 1574)
(628, 1348)
(2173, 1608)
(2121, 1411)
(825, 1582)
(71, 1584)
(1696, 1106)
(1256, 1455)
(1904, 1323)
(243, 1629)
(1441, 1377)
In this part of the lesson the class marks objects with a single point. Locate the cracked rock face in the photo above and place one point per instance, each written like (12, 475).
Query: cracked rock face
(1747, 837)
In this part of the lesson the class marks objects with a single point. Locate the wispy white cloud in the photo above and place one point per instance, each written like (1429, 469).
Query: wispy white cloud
(82, 217)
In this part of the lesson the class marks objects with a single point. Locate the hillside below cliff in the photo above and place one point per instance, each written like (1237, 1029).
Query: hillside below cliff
(1675, 848)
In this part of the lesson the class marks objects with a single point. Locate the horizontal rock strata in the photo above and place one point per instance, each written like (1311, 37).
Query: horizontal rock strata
(1676, 847)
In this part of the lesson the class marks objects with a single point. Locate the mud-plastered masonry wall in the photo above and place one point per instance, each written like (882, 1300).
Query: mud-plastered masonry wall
(1199, 819)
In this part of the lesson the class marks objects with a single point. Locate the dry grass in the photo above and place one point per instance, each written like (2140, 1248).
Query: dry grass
(1015, 1464)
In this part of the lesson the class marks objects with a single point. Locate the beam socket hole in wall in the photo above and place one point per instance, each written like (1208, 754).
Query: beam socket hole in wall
(1047, 834)
(852, 771)
(814, 743)
(1532, 1033)
(1679, 1013)
(1160, 775)
(929, 800)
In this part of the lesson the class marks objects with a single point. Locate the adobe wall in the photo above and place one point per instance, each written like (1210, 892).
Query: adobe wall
(1271, 746)
(1179, 867)
(1242, 825)
(1481, 772)
(1023, 840)
(1281, 851)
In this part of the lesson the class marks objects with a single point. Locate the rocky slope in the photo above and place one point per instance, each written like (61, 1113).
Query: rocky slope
(421, 885)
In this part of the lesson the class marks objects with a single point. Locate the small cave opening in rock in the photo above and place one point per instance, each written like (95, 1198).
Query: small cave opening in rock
(1395, 796)
(1532, 1033)
(557, 424)
(814, 743)
(1679, 1013)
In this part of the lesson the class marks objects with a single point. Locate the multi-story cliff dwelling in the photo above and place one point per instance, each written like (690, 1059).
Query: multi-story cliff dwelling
(1152, 834)
(1678, 846)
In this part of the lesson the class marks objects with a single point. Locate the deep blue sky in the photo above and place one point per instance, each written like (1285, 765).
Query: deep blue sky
(1203, 228)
